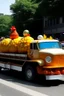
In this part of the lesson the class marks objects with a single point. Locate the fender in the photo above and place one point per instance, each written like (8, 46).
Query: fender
(39, 62)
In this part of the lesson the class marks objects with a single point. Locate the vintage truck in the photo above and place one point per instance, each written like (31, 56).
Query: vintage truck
(45, 57)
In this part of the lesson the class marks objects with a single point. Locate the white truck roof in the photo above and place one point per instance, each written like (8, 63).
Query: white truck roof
(45, 41)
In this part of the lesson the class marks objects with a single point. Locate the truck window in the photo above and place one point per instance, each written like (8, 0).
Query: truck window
(33, 46)
(44, 45)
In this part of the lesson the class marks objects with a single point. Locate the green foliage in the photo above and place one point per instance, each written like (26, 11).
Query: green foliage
(23, 10)
(51, 8)
(5, 24)
(27, 13)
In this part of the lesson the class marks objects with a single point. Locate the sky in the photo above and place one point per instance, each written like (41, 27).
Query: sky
(5, 6)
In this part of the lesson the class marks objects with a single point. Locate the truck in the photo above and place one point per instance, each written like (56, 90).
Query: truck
(45, 57)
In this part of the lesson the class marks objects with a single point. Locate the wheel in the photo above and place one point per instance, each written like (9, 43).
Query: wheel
(30, 73)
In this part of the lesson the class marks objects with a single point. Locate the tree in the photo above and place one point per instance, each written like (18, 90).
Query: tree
(51, 8)
(5, 24)
(23, 12)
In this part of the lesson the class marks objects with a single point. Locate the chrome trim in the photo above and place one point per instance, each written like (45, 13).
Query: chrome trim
(55, 77)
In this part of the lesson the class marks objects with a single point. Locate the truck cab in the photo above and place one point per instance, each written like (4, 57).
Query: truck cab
(50, 58)
(38, 46)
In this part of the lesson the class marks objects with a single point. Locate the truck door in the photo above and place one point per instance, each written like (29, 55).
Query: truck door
(35, 51)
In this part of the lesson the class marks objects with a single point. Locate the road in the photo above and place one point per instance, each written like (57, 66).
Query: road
(12, 84)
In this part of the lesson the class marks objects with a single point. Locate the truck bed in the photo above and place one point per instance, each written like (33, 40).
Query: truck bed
(12, 57)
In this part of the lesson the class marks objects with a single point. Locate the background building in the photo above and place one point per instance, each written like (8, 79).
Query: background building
(54, 27)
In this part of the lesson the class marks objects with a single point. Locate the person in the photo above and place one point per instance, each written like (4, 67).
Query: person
(14, 34)
(26, 33)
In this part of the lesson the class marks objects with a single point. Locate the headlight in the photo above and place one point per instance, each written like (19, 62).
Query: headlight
(48, 59)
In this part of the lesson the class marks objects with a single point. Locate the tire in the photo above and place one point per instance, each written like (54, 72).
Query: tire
(30, 73)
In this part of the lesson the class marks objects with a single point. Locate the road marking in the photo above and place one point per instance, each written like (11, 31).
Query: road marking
(21, 88)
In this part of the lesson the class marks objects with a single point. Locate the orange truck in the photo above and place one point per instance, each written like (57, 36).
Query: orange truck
(45, 57)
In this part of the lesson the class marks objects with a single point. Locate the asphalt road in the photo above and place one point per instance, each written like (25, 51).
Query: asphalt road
(13, 84)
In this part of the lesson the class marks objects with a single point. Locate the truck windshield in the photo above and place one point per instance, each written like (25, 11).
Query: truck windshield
(44, 45)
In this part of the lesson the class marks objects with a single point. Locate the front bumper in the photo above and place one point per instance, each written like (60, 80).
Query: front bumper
(55, 77)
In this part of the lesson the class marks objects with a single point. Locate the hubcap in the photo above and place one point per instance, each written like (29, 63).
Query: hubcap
(29, 73)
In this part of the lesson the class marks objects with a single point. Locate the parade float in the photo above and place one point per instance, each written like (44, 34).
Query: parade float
(43, 56)
(16, 44)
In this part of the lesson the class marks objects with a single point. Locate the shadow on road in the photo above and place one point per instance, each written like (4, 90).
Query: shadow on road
(17, 77)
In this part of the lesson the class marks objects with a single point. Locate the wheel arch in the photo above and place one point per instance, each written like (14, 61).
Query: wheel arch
(33, 64)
